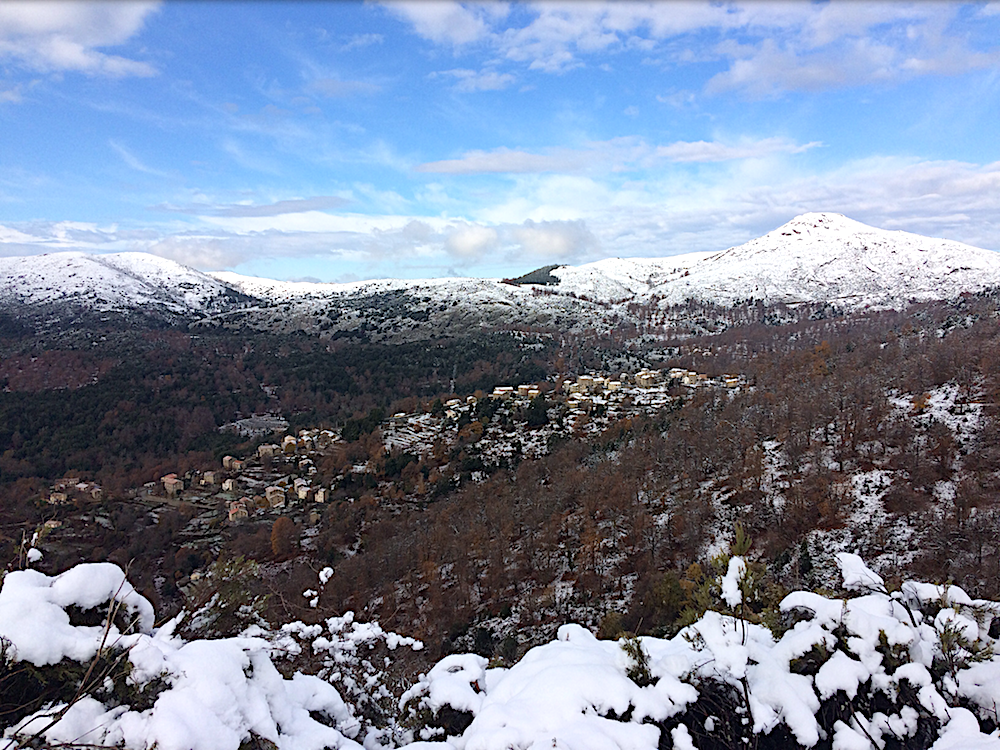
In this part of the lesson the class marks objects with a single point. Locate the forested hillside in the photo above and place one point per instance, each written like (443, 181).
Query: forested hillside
(871, 433)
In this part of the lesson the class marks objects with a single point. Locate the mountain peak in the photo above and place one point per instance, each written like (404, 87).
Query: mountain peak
(823, 221)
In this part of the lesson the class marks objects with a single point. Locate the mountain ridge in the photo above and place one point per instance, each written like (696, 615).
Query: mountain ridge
(822, 258)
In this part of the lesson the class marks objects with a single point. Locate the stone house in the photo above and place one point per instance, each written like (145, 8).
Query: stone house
(238, 509)
(301, 487)
(172, 484)
(275, 496)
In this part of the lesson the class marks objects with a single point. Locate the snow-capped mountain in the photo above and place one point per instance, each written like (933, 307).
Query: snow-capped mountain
(815, 258)
(825, 257)
(118, 282)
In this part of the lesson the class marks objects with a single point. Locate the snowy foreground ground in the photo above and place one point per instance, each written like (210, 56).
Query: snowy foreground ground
(911, 668)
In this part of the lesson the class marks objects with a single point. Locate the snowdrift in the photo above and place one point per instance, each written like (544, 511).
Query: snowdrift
(911, 668)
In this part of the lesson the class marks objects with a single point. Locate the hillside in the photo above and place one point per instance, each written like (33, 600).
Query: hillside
(111, 282)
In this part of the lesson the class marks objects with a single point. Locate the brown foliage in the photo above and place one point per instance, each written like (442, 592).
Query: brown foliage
(282, 537)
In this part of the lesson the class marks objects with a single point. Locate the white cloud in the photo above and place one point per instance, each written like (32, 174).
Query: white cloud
(553, 240)
(844, 44)
(538, 219)
(471, 240)
(784, 46)
(444, 22)
(706, 151)
(471, 80)
(771, 68)
(52, 36)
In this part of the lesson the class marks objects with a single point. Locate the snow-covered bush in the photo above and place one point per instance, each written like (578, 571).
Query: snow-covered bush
(870, 669)
(912, 668)
(360, 660)
(211, 694)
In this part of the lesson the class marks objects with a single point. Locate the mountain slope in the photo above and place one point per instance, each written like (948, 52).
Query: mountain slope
(117, 282)
(824, 257)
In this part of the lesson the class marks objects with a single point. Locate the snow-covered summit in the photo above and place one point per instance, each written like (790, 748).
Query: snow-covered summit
(827, 257)
(815, 257)
(121, 281)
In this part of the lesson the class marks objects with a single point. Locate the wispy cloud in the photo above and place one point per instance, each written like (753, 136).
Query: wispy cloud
(506, 161)
(12, 95)
(279, 208)
(334, 87)
(713, 151)
(359, 41)
(620, 154)
(134, 162)
(472, 80)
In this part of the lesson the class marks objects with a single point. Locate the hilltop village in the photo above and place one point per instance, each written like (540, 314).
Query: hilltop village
(403, 458)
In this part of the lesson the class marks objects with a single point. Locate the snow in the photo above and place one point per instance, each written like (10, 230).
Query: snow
(965, 627)
(731, 592)
(857, 575)
(559, 693)
(120, 281)
(962, 733)
(681, 738)
(33, 611)
(828, 257)
(457, 681)
(217, 692)
(841, 672)
(816, 257)
(576, 692)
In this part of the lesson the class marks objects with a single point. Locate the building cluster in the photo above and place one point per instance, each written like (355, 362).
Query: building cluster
(509, 391)
(282, 474)
(276, 476)
(69, 489)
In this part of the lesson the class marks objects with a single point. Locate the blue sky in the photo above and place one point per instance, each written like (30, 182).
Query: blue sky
(340, 141)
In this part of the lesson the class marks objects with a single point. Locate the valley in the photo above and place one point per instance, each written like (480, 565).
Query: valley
(472, 465)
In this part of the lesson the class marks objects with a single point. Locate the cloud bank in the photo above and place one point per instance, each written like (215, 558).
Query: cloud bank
(784, 46)
(951, 199)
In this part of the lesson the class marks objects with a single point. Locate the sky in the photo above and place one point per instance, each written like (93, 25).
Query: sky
(339, 141)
